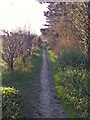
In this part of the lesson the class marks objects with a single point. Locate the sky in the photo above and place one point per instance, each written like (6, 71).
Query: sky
(26, 14)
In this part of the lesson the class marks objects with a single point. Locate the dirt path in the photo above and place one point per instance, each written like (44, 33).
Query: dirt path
(49, 106)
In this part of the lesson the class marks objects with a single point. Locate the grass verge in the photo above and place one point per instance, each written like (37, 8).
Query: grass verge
(26, 81)
(72, 88)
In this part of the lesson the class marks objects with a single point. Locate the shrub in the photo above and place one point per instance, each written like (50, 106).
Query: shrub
(72, 86)
(71, 82)
(11, 103)
(71, 57)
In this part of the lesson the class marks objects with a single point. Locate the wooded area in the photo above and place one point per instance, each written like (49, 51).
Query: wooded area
(67, 26)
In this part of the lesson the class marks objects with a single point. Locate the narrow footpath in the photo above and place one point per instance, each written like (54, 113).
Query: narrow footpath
(49, 106)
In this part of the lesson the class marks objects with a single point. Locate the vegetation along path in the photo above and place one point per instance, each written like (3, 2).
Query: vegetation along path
(49, 106)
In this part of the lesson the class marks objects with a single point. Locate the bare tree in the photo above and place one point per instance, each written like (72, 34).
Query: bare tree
(19, 44)
(9, 48)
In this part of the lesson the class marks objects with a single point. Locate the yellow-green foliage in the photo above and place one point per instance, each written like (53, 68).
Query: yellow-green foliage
(52, 56)
(71, 84)
(10, 102)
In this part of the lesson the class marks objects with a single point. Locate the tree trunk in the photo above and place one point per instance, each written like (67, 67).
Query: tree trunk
(11, 65)
(24, 62)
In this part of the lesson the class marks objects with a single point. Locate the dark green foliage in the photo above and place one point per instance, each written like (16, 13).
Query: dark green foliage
(72, 57)
(72, 86)
(11, 103)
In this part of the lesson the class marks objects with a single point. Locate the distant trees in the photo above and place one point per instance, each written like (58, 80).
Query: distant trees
(16, 45)
(67, 25)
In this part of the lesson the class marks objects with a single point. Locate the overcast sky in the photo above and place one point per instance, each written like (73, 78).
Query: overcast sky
(18, 13)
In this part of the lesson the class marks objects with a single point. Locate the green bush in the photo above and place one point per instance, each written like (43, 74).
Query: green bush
(11, 103)
(71, 81)
(72, 86)
(71, 57)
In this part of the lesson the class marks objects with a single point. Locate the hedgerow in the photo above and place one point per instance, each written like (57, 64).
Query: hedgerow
(71, 82)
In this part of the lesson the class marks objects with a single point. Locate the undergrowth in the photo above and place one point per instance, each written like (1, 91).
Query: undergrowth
(11, 103)
(71, 82)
